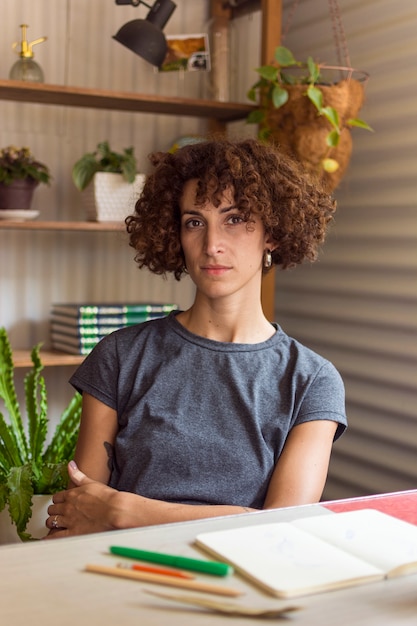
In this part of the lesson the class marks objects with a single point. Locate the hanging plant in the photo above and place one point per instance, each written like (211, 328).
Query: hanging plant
(309, 112)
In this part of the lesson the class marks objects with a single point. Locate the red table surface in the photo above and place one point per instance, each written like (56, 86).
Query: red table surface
(401, 504)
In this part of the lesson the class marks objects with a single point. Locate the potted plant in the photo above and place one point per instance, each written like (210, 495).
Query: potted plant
(27, 465)
(20, 173)
(109, 182)
(309, 109)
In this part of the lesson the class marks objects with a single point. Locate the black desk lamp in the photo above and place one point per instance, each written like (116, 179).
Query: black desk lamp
(145, 37)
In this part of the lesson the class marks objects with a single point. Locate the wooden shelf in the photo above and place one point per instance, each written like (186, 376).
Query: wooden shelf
(22, 91)
(21, 358)
(74, 226)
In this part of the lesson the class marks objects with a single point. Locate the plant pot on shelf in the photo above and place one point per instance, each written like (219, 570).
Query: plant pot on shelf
(36, 525)
(18, 195)
(109, 198)
(301, 132)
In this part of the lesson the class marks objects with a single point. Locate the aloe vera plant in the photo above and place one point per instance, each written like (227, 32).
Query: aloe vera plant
(28, 465)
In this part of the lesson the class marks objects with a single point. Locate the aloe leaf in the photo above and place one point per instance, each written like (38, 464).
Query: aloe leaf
(36, 407)
(20, 496)
(9, 450)
(8, 395)
(62, 446)
(53, 477)
(4, 494)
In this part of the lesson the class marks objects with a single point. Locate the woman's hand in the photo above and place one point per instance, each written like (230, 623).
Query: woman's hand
(89, 507)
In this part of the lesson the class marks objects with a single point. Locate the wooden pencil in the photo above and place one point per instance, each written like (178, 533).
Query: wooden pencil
(159, 579)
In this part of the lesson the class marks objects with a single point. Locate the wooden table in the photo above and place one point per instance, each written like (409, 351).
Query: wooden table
(43, 583)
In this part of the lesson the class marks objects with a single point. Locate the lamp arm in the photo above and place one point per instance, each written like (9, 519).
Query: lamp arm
(134, 3)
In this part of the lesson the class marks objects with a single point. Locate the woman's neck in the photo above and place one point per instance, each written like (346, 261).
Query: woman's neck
(224, 322)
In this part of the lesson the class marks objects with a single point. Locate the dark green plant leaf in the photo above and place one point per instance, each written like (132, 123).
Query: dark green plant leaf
(51, 478)
(84, 170)
(20, 496)
(62, 446)
(8, 395)
(23, 475)
(36, 407)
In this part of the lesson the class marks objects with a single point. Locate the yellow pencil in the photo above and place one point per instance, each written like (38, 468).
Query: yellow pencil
(163, 580)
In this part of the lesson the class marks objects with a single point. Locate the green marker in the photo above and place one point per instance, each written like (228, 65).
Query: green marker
(183, 562)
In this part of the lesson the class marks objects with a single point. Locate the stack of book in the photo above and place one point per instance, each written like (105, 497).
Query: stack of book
(77, 328)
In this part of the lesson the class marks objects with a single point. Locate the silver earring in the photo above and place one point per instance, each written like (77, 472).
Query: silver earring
(267, 260)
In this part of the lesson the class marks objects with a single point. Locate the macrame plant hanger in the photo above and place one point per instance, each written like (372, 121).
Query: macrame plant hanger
(298, 128)
(339, 39)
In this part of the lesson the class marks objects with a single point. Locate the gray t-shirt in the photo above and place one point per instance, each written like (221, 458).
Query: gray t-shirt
(202, 421)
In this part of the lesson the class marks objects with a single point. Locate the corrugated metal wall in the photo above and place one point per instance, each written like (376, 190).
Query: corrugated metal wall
(358, 304)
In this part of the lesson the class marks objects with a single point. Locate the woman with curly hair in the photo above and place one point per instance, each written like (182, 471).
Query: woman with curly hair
(212, 410)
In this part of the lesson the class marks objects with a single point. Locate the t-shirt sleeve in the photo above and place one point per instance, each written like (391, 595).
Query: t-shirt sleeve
(99, 372)
(324, 399)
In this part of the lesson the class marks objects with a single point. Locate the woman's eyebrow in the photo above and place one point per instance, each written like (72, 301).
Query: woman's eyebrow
(225, 209)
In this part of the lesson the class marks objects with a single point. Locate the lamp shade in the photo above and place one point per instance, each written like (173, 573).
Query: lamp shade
(145, 39)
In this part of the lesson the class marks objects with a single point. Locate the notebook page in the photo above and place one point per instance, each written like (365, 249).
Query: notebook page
(286, 561)
(380, 539)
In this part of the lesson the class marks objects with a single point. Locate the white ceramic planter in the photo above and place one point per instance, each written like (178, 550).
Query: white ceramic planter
(36, 526)
(109, 198)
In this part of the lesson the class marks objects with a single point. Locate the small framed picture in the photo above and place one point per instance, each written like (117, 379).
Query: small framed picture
(188, 53)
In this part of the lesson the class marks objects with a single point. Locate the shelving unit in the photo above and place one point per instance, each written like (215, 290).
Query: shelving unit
(218, 113)
(221, 113)
(67, 226)
(40, 93)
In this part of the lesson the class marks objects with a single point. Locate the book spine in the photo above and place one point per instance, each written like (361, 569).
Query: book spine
(105, 320)
(123, 309)
(76, 341)
(64, 347)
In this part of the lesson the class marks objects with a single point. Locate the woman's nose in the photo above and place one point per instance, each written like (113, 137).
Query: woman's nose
(213, 240)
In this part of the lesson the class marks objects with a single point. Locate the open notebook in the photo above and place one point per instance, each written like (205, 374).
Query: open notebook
(316, 554)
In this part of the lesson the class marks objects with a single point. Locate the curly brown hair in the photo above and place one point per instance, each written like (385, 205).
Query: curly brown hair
(293, 207)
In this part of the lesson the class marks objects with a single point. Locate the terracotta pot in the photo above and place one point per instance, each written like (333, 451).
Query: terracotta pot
(36, 525)
(17, 195)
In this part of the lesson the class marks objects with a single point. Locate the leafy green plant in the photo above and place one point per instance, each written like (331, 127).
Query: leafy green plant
(104, 160)
(27, 465)
(19, 163)
(273, 88)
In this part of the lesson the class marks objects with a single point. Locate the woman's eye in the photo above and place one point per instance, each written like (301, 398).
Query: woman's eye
(235, 219)
(193, 223)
